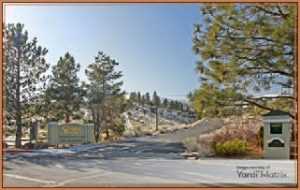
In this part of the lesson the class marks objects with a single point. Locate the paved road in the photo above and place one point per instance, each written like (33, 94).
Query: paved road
(145, 161)
(132, 172)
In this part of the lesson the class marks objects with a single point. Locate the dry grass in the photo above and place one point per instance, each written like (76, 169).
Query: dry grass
(204, 149)
(149, 128)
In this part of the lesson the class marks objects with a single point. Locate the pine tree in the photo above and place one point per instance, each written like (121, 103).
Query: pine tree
(143, 100)
(139, 98)
(43, 106)
(147, 98)
(133, 97)
(156, 99)
(105, 97)
(165, 103)
(64, 87)
(25, 68)
(245, 48)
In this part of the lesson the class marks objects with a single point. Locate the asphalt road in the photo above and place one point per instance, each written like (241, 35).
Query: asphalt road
(143, 162)
(131, 172)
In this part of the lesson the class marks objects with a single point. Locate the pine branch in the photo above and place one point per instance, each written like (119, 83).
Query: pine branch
(271, 12)
(265, 107)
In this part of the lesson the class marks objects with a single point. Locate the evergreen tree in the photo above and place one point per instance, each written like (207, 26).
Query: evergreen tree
(43, 106)
(165, 103)
(139, 98)
(147, 98)
(105, 97)
(64, 87)
(177, 105)
(171, 105)
(25, 67)
(155, 99)
(143, 100)
(133, 97)
(244, 48)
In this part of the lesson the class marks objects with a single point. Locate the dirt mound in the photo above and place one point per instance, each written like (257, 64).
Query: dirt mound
(193, 130)
(208, 123)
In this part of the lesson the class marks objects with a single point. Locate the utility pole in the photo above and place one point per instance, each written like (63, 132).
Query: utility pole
(156, 113)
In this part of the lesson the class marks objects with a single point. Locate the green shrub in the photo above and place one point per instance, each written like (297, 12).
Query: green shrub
(235, 147)
(119, 127)
(77, 117)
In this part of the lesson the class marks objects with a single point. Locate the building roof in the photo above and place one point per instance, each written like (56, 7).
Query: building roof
(276, 113)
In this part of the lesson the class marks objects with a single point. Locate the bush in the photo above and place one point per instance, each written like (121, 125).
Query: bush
(235, 147)
(233, 139)
(191, 144)
(194, 144)
(119, 128)
(128, 133)
(77, 117)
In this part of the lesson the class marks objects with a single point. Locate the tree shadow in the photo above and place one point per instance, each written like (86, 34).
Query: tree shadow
(127, 149)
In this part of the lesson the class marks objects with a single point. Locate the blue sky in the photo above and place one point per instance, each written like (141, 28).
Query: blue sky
(152, 42)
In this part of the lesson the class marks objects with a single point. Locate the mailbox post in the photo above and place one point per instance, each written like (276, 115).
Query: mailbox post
(277, 135)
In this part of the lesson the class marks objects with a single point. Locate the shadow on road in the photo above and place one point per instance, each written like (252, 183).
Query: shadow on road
(127, 149)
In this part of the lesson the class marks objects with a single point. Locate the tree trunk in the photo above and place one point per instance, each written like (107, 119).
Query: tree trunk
(96, 137)
(33, 131)
(18, 105)
(18, 131)
(67, 118)
(96, 120)
(107, 134)
(156, 119)
(96, 132)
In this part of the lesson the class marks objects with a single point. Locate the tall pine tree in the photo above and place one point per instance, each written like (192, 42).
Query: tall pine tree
(147, 98)
(245, 49)
(25, 68)
(105, 97)
(156, 99)
(64, 87)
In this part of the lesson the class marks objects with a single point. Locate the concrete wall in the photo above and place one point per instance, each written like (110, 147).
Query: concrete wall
(70, 133)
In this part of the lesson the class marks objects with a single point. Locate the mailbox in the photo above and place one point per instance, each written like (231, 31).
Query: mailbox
(277, 135)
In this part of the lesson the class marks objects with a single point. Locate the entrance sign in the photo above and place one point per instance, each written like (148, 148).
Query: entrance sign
(277, 135)
(70, 133)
